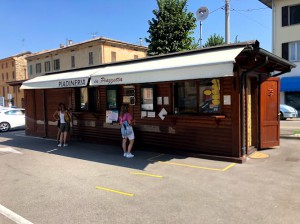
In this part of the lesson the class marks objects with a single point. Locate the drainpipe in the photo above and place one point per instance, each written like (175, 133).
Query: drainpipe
(242, 102)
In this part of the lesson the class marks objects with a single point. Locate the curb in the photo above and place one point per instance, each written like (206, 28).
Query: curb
(290, 137)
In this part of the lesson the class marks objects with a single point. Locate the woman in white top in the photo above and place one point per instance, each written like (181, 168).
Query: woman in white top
(64, 117)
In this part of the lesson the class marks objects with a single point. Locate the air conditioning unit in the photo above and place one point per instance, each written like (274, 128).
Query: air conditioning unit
(129, 95)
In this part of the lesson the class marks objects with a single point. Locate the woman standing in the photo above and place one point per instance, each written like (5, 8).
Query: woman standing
(126, 116)
(55, 116)
(64, 117)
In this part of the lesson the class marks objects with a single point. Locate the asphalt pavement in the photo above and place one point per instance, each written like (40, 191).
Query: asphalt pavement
(290, 128)
(92, 183)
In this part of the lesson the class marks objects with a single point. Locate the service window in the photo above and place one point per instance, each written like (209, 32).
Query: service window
(209, 96)
(111, 98)
(197, 97)
(148, 98)
(87, 99)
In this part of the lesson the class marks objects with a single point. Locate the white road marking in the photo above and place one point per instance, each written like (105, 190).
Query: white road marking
(52, 150)
(13, 216)
(9, 149)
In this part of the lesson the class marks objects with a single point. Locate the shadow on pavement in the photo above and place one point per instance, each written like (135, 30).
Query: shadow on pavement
(100, 153)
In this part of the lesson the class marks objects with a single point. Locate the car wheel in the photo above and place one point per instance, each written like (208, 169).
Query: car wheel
(4, 126)
(282, 117)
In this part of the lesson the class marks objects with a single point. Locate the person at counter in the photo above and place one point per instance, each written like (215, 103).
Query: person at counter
(127, 133)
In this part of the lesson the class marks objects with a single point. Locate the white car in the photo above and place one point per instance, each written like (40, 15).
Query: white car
(287, 112)
(12, 118)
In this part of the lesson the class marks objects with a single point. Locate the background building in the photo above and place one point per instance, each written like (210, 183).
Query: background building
(286, 44)
(84, 54)
(13, 71)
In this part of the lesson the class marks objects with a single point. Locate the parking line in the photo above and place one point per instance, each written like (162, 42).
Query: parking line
(13, 216)
(147, 174)
(114, 191)
(228, 167)
(151, 159)
(191, 166)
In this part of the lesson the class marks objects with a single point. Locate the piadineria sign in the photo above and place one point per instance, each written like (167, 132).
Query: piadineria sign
(72, 83)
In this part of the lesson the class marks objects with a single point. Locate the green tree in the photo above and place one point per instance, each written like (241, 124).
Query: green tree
(214, 40)
(171, 28)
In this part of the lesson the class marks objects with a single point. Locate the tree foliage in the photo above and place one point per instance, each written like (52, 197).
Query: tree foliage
(214, 40)
(171, 28)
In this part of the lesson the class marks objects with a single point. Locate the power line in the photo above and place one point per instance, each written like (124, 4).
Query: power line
(248, 10)
(216, 9)
(253, 20)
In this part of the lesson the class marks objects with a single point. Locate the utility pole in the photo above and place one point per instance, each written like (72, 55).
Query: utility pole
(227, 22)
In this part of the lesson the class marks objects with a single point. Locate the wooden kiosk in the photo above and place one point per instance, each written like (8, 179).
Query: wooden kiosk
(220, 102)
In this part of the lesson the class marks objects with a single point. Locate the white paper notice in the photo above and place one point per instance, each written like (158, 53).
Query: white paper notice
(166, 100)
(162, 113)
(227, 100)
(159, 100)
(151, 114)
(144, 114)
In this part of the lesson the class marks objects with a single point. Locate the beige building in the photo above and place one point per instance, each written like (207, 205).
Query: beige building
(13, 71)
(84, 54)
(286, 44)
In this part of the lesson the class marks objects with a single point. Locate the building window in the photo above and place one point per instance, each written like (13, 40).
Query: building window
(56, 64)
(47, 66)
(197, 97)
(111, 97)
(113, 56)
(6, 75)
(2, 76)
(294, 51)
(3, 90)
(148, 98)
(30, 70)
(91, 59)
(290, 15)
(13, 64)
(38, 68)
(72, 61)
(291, 51)
(87, 99)
(135, 56)
(13, 75)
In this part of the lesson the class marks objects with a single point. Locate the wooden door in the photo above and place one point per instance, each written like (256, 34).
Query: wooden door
(269, 110)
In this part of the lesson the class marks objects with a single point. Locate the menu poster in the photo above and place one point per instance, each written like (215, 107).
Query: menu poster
(112, 116)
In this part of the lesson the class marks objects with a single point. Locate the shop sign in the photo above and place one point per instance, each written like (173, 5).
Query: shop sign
(72, 83)
(108, 81)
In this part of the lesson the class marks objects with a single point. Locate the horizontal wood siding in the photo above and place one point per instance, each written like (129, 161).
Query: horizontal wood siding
(52, 98)
(30, 111)
(194, 133)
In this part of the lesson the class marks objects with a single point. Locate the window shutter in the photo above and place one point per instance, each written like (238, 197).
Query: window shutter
(285, 50)
(285, 17)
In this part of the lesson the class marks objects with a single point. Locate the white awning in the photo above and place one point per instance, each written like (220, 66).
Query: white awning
(211, 64)
(200, 65)
(78, 78)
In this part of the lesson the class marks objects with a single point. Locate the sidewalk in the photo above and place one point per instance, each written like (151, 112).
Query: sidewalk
(290, 128)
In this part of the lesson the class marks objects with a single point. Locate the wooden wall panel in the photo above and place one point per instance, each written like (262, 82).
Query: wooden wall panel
(196, 133)
(52, 98)
(202, 134)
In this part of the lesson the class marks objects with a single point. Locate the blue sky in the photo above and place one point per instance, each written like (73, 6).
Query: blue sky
(35, 25)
